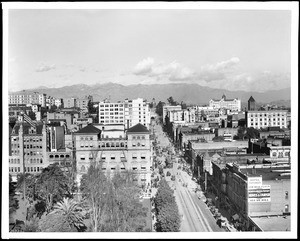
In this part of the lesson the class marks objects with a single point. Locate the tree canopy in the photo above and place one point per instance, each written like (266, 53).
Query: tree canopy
(167, 214)
(114, 203)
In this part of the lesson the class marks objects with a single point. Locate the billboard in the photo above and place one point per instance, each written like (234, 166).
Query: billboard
(259, 193)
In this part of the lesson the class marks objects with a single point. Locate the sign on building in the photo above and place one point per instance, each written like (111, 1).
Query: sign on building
(258, 192)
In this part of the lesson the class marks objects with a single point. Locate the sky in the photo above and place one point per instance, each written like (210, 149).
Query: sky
(230, 49)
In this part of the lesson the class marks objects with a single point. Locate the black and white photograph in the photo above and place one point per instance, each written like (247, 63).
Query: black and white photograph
(138, 120)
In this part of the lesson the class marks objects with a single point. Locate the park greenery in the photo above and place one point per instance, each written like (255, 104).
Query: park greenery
(109, 202)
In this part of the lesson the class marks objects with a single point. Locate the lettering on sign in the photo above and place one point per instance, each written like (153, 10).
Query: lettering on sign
(259, 199)
(254, 181)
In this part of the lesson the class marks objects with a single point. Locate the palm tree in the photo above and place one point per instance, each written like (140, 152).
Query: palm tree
(70, 210)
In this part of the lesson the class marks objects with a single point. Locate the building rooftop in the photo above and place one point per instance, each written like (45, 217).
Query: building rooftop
(138, 128)
(273, 223)
(89, 129)
(56, 120)
(271, 173)
(26, 128)
(251, 99)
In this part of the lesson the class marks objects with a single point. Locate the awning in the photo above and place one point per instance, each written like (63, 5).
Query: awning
(235, 217)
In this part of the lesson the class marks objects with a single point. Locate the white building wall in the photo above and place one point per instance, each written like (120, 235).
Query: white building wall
(263, 119)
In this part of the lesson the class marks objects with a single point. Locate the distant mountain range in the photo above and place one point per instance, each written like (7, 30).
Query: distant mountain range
(188, 93)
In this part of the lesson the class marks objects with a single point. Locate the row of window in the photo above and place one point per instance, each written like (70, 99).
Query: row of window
(123, 158)
(143, 168)
(86, 138)
(112, 117)
(27, 169)
(280, 154)
(105, 144)
(14, 169)
(62, 156)
(268, 114)
(14, 161)
(138, 144)
(15, 152)
(112, 113)
(266, 124)
(32, 153)
(112, 105)
(112, 121)
(32, 146)
(265, 119)
(33, 140)
(35, 160)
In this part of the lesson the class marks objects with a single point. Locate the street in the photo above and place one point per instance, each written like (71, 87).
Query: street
(196, 217)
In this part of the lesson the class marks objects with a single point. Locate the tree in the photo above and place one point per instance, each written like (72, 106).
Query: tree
(159, 108)
(168, 219)
(252, 133)
(114, 203)
(30, 180)
(91, 108)
(50, 186)
(70, 210)
(129, 212)
(172, 101)
(55, 223)
(94, 187)
(13, 202)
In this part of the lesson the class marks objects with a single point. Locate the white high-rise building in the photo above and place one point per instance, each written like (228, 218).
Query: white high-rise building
(128, 113)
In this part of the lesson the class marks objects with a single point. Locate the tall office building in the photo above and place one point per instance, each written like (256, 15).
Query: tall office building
(128, 113)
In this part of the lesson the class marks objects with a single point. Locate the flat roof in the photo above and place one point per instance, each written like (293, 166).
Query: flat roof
(268, 173)
(273, 223)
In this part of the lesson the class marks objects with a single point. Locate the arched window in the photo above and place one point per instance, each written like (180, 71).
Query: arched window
(107, 144)
(82, 168)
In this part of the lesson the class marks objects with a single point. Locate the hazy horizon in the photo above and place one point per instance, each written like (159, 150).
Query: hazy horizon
(229, 49)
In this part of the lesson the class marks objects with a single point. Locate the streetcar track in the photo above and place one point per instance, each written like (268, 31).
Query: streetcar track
(185, 206)
(200, 214)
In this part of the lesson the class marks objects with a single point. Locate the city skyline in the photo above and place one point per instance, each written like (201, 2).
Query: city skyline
(240, 49)
(195, 102)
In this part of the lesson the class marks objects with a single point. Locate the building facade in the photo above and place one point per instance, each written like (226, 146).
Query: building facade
(82, 103)
(69, 102)
(115, 149)
(27, 98)
(128, 113)
(264, 119)
(224, 103)
(167, 108)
